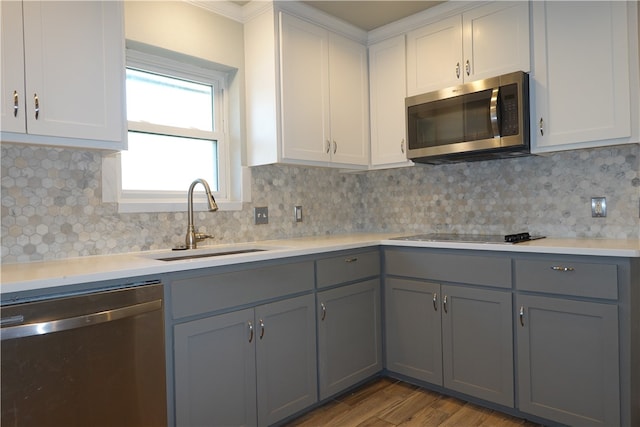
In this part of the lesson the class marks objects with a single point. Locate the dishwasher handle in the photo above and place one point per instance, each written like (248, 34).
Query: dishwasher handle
(42, 328)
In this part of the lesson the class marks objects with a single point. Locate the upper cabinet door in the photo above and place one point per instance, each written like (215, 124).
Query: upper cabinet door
(388, 88)
(496, 40)
(12, 118)
(348, 83)
(74, 66)
(485, 41)
(304, 84)
(581, 75)
(434, 56)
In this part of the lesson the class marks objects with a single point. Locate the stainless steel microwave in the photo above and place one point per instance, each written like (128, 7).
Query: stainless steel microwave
(480, 120)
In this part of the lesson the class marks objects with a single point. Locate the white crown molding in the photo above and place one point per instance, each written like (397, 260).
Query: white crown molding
(221, 7)
(417, 20)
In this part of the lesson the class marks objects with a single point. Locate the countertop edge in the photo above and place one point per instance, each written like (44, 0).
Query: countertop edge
(49, 274)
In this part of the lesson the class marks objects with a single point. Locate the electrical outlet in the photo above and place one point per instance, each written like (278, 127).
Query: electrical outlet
(297, 213)
(598, 207)
(261, 215)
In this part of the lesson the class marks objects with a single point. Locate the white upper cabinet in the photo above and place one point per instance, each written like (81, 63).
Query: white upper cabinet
(584, 82)
(63, 83)
(320, 114)
(482, 42)
(387, 89)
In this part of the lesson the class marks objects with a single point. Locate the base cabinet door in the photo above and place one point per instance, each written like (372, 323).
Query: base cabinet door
(349, 335)
(246, 368)
(215, 371)
(286, 358)
(414, 329)
(568, 360)
(477, 341)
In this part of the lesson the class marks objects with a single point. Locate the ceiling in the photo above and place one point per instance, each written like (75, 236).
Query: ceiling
(369, 15)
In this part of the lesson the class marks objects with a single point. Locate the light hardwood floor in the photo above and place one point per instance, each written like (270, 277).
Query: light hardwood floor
(385, 402)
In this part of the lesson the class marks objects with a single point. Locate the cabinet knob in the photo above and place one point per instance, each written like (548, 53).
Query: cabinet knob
(351, 259)
(457, 70)
(15, 103)
(324, 311)
(335, 146)
(261, 328)
(541, 126)
(328, 146)
(467, 68)
(521, 315)
(435, 301)
(444, 304)
(250, 331)
(402, 145)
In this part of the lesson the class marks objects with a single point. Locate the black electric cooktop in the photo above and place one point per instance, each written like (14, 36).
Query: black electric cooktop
(472, 238)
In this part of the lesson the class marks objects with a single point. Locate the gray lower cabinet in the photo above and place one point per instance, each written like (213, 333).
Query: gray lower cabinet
(568, 361)
(568, 348)
(458, 337)
(349, 335)
(228, 365)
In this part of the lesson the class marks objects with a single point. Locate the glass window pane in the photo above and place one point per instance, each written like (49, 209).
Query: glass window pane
(168, 163)
(169, 101)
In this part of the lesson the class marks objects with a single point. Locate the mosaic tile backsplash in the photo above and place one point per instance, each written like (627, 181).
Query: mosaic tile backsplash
(52, 203)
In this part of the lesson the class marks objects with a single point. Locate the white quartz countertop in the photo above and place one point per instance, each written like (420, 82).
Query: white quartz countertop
(48, 274)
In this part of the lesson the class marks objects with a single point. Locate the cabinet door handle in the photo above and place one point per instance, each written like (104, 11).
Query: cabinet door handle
(335, 146)
(36, 103)
(261, 328)
(560, 268)
(541, 126)
(457, 70)
(402, 145)
(328, 146)
(15, 103)
(435, 301)
(351, 259)
(467, 68)
(250, 331)
(522, 315)
(444, 304)
(324, 311)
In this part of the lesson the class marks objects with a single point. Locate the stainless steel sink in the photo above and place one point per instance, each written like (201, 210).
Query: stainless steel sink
(207, 254)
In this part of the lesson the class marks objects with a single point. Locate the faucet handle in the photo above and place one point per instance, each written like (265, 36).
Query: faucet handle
(202, 236)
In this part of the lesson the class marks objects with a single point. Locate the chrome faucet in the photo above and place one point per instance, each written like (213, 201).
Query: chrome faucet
(193, 237)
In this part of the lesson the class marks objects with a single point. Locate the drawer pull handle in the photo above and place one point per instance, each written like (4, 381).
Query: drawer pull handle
(250, 331)
(261, 328)
(352, 259)
(324, 311)
(522, 315)
(435, 301)
(444, 304)
(559, 268)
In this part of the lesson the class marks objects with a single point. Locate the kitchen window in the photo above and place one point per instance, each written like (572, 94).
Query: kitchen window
(176, 133)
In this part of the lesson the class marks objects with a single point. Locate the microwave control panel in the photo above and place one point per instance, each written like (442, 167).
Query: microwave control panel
(509, 110)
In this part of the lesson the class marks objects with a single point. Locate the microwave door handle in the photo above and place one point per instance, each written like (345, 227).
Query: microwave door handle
(493, 112)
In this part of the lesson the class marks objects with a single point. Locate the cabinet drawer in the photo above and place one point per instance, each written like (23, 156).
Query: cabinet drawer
(457, 268)
(567, 277)
(211, 292)
(347, 268)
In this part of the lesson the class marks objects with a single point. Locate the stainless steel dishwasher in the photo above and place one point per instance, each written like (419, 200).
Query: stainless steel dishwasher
(94, 359)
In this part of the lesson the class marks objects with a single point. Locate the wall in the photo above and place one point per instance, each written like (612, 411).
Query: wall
(52, 206)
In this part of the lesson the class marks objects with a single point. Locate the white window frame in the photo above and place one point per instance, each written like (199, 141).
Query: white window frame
(176, 201)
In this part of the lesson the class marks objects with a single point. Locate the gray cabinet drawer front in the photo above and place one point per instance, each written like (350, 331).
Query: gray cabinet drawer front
(567, 278)
(457, 268)
(211, 292)
(347, 268)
